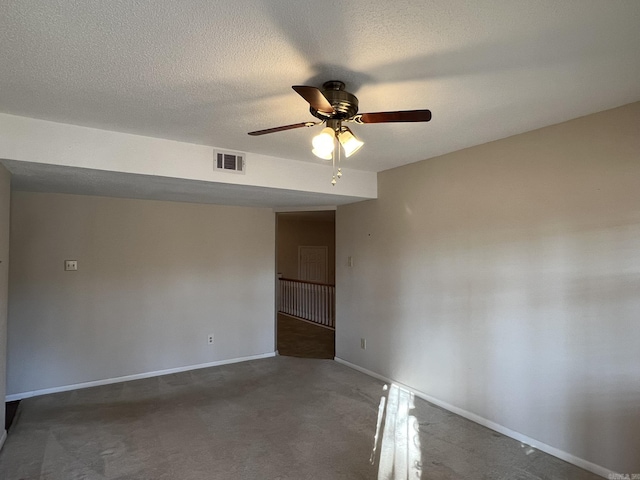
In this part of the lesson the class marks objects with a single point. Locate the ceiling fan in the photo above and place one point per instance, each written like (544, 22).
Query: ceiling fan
(333, 105)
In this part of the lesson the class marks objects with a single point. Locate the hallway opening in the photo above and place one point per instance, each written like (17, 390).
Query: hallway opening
(305, 265)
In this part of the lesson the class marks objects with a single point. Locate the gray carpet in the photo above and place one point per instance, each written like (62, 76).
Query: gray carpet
(278, 418)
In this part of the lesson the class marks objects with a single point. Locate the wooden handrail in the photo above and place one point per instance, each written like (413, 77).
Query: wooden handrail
(305, 281)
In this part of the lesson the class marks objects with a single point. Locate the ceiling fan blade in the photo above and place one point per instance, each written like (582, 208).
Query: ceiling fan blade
(283, 128)
(387, 117)
(315, 98)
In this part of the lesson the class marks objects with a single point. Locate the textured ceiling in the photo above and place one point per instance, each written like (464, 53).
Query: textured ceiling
(207, 72)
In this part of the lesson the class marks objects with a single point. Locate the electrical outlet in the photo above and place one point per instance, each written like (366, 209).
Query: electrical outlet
(363, 343)
(70, 265)
(210, 339)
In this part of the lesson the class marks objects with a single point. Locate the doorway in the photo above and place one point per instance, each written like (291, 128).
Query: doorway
(305, 262)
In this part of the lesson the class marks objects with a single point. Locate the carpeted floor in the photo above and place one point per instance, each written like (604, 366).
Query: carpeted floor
(277, 418)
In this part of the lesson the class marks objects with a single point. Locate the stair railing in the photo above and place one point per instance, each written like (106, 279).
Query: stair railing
(311, 301)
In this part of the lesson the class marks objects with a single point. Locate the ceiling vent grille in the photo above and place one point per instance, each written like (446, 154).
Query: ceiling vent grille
(226, 161)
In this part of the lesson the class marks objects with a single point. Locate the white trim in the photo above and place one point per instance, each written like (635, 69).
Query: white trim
(127, 378)
(567, 457)
(3, 438)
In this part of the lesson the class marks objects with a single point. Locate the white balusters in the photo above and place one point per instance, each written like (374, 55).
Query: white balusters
(310, 301)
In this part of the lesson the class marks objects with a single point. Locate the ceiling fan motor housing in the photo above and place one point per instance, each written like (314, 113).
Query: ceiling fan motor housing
(344, 103)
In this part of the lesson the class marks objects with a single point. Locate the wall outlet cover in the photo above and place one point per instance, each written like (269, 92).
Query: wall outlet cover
(70, 265)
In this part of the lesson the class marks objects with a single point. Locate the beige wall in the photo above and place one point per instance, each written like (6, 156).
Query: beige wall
(5, 196)
(504, 280)
(154, 279)
(295, 232)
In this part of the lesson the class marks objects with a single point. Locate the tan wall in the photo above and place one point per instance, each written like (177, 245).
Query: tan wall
(293, 233)
(154, 279)
(5, 196)
(504, 280)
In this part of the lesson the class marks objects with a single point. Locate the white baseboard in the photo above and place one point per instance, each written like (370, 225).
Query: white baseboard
(567, 457)
(3, 437)
(127, 378)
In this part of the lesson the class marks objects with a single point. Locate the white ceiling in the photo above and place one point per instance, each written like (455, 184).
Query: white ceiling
(208, 72)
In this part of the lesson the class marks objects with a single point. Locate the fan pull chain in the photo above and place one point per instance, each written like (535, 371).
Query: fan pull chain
(333, 161)
(339, 155)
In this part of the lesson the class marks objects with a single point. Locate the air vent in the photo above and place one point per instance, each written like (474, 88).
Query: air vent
(229, 161)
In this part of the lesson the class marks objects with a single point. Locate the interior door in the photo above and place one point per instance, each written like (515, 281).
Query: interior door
(313, 264)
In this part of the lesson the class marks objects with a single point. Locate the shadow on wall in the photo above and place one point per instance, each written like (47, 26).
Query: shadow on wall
(511, 329)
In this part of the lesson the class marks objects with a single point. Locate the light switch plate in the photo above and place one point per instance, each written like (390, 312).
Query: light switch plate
(70, 265)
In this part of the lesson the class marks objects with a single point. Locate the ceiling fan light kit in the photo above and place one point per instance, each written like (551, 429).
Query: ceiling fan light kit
(323, 155)
(333, 105)
(349, 142)
(323, 143)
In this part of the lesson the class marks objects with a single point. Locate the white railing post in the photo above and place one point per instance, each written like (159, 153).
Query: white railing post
(307, 300)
